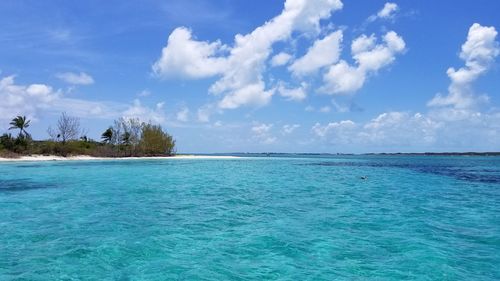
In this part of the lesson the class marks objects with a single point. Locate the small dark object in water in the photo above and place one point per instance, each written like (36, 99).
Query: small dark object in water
(364, 177)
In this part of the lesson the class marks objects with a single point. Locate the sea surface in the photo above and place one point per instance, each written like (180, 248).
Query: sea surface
(259, 218)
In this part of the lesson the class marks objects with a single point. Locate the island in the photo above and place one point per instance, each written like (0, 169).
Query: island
(126, 138)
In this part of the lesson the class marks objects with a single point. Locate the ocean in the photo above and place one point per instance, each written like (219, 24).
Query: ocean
(259, 218)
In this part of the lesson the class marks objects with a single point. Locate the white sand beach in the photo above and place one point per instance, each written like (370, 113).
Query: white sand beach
(86, 157)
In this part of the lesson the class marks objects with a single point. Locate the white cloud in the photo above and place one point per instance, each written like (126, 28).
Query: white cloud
(262, 133)
(32, 99)
(326, 108)
(387, 12)
(251, 94)
(400, 128)
(404, 132)
(83, 108)
(289, 128)
(295, 94)
(81, 78)
(183, 115)
(241, 70)
(370, 57)
(144, 113)
(23, 100)
(281, 59)
(453, 124)
(374, 57)
(343, 129)
(187, 58)
(343, 78)
(307, 14)
(391, 128)
(323, 52)
(363, 43)
(261, 129)
(36, 100)
(478, 52)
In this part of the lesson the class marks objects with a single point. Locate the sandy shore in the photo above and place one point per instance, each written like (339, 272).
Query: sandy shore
(85, 157)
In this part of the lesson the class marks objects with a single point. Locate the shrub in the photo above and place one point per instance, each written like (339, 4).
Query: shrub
(154, 141)
(47, 148)
(7, 141)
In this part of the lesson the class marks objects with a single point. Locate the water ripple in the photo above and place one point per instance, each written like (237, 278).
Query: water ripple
(265, 219)
(458, 172)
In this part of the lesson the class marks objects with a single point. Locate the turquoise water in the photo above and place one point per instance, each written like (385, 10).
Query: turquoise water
(412, 218)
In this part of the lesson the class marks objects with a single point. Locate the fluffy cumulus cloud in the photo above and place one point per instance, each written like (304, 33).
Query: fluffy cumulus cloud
(81, 78)
(453, 123)
(478, 52)
(21, 99)
(240, 67)
(369, 56)
(281, 59)
(146, 114)
(323, 52)
(35, 99)
(262, 133)
(186, 57)
(400, 128)
(251, 94)
(387, 12)
(334, 128)
(403, 131)
(343, 78)
(242, 83)
(293, 94)
(387, 129)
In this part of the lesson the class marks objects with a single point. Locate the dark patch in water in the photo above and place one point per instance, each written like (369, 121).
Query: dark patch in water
(106, 163)
(23, 185)
(29, 166)
(458, 172)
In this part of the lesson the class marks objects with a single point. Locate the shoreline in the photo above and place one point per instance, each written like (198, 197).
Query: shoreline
(37, 158)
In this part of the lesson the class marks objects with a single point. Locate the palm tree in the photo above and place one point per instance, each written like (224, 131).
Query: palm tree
(20, 123)
(126, 138)
(107, 136)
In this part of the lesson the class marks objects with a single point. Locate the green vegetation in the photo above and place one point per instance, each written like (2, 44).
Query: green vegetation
(154, 140)
(126, 138)
(20, 123)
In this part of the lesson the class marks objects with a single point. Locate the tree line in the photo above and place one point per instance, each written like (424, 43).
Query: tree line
(125, 138)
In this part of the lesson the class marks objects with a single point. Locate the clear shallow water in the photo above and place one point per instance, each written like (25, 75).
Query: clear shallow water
(413, 218)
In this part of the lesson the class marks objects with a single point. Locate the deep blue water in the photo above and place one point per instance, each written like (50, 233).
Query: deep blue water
(410, 218)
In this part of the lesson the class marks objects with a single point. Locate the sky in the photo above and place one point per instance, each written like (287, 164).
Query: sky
(325, 76)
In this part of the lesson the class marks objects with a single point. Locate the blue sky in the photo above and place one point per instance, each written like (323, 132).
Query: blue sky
(301, 76)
